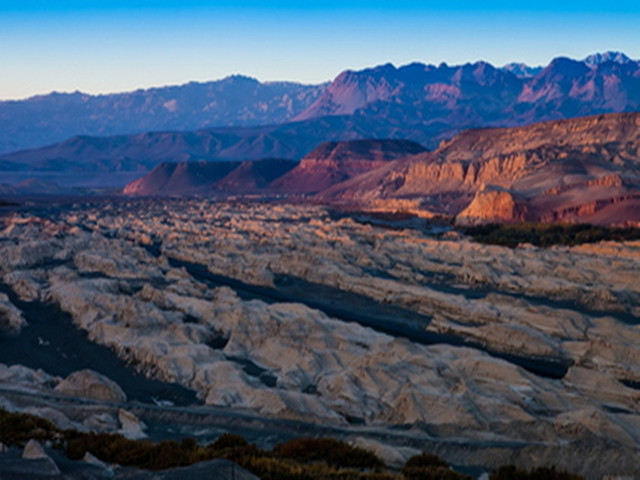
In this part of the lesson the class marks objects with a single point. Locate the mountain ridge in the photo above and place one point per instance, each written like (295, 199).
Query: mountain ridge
(419, 94)
(448, 92)
(422, 103)
(232, 101)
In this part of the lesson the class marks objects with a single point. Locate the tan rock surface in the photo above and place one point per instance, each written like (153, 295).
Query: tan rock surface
(494, 205)
(90, 384)
(24, 376)
(334, 162)
(11, 320)
(130, 425)
(33, 450)
(287, 360)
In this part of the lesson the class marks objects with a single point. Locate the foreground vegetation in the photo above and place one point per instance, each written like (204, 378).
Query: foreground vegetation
(300, 459)
(547, 234)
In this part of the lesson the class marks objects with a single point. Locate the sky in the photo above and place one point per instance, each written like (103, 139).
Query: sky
(99, 46)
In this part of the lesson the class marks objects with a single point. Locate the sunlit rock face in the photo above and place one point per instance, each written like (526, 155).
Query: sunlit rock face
(496, 205)
(335, 162)
(583, 169)
(579, 170)
(327, 165)
(489, 344)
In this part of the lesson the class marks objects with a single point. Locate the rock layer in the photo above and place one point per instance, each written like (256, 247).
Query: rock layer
(584, 169)
(334, 162)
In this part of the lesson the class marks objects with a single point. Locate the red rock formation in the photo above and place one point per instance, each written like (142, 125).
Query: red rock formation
(494, 205)
(207, 178)
(569, 170)
(335, 162)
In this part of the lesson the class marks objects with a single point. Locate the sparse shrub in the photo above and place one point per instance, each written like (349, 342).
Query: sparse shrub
(329, 450)
(548, 234)
(302, 459)
(425, 460)
(227, 440)
(112, 448)
(511, 472)
(189, 444)
(426, 466)
(19, 428)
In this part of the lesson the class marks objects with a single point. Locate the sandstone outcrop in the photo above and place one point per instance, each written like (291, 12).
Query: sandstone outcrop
(34, 451)
(582, 169)
(577, 170)
(326, 165)
(21, 375)
(130, 425)
(209, 178)
(90, 384)
(11, 319)
(334, 162)
(494, 205)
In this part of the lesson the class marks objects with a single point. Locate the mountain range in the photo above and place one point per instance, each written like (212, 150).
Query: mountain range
(238, 118)
(585, 169)
(233, 101)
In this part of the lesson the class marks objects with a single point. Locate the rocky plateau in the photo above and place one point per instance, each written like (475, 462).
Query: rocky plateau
(301, 314)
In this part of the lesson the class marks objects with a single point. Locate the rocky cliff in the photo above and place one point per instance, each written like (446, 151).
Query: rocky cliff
(584, 169)
(334, 162)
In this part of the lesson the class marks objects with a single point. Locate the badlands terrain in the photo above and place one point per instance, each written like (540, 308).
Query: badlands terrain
(276, 320)
(578, 170)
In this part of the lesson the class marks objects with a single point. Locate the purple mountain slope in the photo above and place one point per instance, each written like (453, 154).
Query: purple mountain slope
(209, 178)
(422, 103)
(233, 101)
(479, 94)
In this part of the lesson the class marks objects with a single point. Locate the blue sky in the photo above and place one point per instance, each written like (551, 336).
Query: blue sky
(106, 46)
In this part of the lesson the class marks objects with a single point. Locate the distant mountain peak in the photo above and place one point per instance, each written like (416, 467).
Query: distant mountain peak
(238, 77)
(234, 101)
(522, 70)
(615, 57)
(386, 67)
